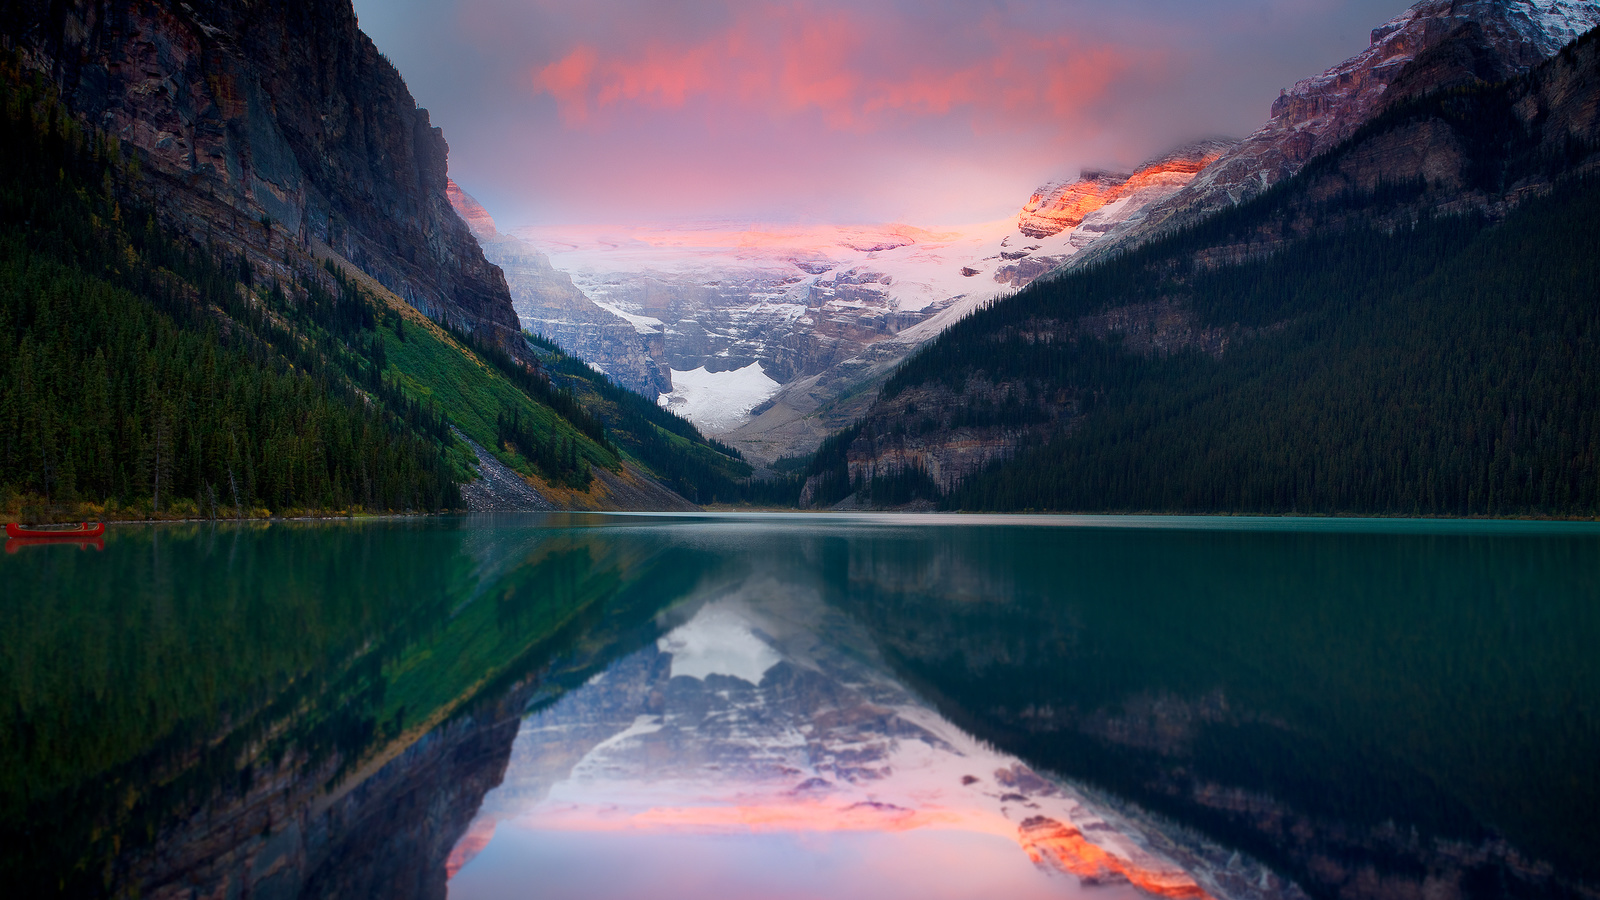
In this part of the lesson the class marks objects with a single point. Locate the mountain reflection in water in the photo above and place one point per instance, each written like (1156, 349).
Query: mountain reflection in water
(766, 729)
(594, 706)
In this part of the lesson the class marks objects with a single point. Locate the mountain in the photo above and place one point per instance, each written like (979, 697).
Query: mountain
(1101, 202)
(247, 218)
(770, 337)
(272, 128)
(1435, 45)
(549, 304)
(1403, 326)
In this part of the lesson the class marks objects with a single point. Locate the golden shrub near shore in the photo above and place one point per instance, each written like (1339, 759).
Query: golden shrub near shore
(16, 506)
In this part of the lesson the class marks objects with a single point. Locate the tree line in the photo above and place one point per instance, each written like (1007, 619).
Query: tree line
(143, 372)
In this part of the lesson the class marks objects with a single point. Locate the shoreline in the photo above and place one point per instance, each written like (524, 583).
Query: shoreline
(734, 510)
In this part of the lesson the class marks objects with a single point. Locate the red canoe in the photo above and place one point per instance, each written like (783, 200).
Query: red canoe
(15, 545)
(74, 533)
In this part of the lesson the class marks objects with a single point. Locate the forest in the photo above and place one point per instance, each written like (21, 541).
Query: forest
(1389, 350)
(1448, 369)
(144, 375)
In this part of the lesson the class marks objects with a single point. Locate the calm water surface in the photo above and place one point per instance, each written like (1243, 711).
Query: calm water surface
(798, 706)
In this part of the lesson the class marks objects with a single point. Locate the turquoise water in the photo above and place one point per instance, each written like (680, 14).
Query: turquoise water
(493, 706)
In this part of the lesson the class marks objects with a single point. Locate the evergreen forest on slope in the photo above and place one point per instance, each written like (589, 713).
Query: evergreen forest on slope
(143, 375)
(1448, 369)
(1349, 352)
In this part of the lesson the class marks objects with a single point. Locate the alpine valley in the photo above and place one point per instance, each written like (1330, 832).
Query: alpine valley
(1384, 301)
(256, 187)
(1213, 330)
(236, 287)
(774, 337)
(403, 583)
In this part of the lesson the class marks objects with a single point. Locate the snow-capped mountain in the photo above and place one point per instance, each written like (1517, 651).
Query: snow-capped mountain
(1099, 202)
(774, 335)
(629, 350)
(767, 329)
(768, 718)
(1434, 45)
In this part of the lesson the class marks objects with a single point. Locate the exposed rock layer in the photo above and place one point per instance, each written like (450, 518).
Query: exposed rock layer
(1056, 206)
(262, 127)
(1098, 204)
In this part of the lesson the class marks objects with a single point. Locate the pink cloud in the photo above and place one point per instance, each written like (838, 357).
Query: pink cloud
(568, 80)
(935, 111)
(792, 60)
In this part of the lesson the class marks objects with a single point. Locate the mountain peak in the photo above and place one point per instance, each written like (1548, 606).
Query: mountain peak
(478, 220)
(1434, 45)
(271, 128)
(1519, 33)
(1059, 205)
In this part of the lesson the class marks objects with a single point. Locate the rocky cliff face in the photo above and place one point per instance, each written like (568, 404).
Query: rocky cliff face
(1059, 206)
(270, 129)
(632, 352)
(1435, 44)
(549, 304)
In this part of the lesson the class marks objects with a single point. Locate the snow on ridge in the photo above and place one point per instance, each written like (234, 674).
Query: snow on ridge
(641, 324)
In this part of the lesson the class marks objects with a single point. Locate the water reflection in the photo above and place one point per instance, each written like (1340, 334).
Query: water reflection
(290, 709)
(761, 747)
(1403, 709)
(804, 706)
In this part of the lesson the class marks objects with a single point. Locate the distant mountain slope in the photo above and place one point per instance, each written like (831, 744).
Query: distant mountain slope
(632, 352)
(1434, 45)
(1102, 202)
(1408, 325)
(794, 326)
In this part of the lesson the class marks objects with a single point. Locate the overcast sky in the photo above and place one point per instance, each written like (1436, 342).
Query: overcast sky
(930, 112)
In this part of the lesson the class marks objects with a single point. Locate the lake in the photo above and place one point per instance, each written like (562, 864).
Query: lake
(788, 706)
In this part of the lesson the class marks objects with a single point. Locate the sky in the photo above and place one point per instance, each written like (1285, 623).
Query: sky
(929, 112)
